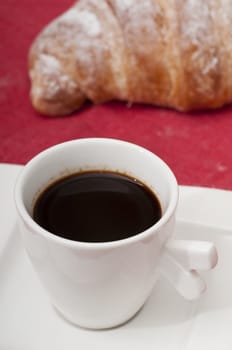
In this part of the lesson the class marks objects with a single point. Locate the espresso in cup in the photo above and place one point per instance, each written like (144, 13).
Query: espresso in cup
(84, 278)
(97, 206)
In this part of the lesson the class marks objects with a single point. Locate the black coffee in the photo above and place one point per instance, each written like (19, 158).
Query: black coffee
(97, 206)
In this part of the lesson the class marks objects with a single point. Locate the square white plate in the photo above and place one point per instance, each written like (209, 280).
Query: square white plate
(29, 322)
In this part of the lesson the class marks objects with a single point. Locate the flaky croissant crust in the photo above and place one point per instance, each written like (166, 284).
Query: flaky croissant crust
(172, 53)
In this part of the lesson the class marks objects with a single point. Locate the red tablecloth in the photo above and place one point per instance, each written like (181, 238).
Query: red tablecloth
(198, 147)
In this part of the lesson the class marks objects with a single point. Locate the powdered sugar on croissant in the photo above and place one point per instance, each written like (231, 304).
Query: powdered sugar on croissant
(173, 53)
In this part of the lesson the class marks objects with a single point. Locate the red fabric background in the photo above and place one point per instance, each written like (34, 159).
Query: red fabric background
(198, 147)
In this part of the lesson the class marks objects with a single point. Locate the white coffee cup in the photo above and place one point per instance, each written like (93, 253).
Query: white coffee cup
(102, 285)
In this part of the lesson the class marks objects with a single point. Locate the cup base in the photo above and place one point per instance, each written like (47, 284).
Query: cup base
(96, 325)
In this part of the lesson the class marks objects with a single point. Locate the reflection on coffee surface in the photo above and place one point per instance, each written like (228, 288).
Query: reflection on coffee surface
(97, 206)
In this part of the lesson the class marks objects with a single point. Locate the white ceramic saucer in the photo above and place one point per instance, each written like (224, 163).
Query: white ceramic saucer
(29, 322)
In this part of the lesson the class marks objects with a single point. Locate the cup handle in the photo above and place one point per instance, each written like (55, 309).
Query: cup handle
(181, 261)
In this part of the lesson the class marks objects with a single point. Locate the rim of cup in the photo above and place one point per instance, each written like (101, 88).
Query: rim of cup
(30, 223)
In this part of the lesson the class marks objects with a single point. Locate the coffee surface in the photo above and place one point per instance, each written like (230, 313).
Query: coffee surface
(97, 206)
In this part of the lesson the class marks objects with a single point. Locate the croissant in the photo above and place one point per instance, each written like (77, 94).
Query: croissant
(171, 53)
